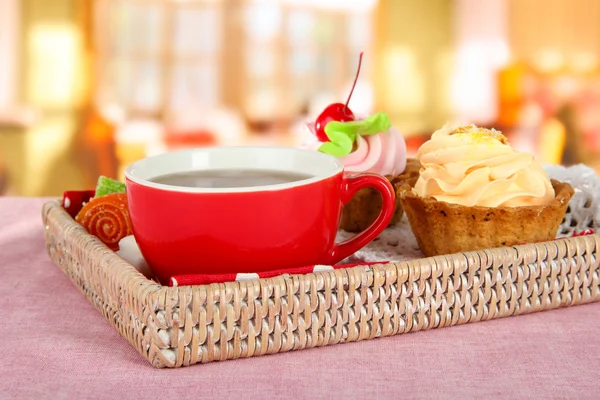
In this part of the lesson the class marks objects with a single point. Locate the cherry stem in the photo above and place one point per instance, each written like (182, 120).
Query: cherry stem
(354, 84)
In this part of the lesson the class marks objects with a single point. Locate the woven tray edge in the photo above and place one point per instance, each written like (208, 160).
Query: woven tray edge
(134, 304)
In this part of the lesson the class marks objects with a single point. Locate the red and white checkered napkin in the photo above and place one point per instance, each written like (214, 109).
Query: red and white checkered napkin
(583, 233)
(200, 279)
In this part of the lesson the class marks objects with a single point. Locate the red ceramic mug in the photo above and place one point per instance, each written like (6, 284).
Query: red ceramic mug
(187, 230)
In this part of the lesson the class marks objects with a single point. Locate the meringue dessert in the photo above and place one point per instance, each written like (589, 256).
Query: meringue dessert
(474, 191)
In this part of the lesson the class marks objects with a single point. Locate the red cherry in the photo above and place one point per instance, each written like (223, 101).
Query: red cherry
(336, 111)
(333, 112)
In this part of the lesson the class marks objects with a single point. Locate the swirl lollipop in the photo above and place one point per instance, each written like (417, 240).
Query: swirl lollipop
(107, 218)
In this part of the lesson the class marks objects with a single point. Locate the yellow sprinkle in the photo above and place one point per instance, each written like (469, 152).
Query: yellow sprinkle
(480, 135)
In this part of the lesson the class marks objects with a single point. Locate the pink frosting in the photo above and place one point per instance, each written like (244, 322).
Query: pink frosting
(384, 153)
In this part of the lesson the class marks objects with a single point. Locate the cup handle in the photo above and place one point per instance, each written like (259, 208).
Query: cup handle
(351, 185)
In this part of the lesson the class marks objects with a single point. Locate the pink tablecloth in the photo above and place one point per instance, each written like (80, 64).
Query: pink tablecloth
(54, 344)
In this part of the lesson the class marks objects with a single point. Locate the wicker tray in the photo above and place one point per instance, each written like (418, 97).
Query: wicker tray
(180, 326)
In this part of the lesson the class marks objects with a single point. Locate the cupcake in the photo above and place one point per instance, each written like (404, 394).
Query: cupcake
(366, 144)
(371, 145)
(474, 191)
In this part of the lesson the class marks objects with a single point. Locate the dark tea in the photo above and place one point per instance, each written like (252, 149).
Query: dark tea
(229, 178)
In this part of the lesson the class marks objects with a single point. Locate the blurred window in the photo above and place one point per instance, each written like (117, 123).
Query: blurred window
(153, 56)
(157, 55)
(297, 51)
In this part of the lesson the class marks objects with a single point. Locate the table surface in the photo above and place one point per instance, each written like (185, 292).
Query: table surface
(56, 345)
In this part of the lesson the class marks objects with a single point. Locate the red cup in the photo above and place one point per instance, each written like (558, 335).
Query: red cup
(183, 230)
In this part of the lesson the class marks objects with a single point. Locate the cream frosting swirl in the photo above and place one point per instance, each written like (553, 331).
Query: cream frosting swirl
(383, 153)
(473, 166)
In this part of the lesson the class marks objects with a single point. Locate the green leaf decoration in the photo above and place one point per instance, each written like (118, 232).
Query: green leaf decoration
(107, 186)
(342, 135)
(340, 144)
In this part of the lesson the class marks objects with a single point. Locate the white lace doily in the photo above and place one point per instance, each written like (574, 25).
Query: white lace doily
(399, 244)
(584, 208)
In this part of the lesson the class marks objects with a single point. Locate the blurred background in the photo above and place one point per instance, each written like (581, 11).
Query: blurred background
(89, 86)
